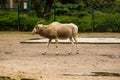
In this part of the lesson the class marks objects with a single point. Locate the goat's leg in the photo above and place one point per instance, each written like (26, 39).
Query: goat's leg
(56, 42)
(77, 51)
(72, 43)
(47, 47)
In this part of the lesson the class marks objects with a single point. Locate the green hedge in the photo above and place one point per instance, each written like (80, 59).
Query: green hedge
(108, 23)
(9, 21)
(82, 23)
(103, 22)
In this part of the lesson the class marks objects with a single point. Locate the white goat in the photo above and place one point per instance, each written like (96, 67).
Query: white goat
(57, 31)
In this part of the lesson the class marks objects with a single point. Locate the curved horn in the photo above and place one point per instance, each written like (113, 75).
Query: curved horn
(40, 22)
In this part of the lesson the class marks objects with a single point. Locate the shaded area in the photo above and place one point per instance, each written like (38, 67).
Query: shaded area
(27, 79)
(9, 78)
(111, 56)
(108, 74)
(5, 78)
(95, 74)
(80, 41)
(105, 74)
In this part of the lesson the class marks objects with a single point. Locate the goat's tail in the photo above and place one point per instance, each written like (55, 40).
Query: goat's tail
(74, 29)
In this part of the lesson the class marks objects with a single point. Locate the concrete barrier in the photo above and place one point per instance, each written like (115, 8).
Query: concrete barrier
(80, 41)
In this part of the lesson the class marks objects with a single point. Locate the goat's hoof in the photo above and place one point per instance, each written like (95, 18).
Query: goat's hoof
(44, 53)
(57, 54)
(69, 53)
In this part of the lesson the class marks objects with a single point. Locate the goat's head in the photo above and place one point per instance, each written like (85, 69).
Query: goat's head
(36, 29)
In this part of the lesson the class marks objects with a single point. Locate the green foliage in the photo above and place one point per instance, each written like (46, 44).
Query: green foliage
(117, 7)
(107, 6)
(103, 21)
(66, 9)
(84, 24)
(109, 23)
(78, 13)
(9, 21)
(27, 23)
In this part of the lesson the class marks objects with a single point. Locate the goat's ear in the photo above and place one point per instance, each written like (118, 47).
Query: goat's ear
(37, 27)
(40, 25)
(38, 22)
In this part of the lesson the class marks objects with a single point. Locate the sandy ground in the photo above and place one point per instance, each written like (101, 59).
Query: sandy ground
(26, 62)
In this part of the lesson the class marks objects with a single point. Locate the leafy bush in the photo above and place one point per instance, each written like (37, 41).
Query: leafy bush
(9, 21)
(110, 22)
(83, 24)
(69, 9)
(103, 21)
(27, 23)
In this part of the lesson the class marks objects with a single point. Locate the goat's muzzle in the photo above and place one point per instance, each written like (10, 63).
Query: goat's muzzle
(33, 32)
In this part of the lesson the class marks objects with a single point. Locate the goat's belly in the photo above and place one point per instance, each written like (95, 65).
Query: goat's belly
(64, 32)
(51, 36)
(64, 36)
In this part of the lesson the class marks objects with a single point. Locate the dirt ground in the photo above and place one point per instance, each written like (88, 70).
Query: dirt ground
(26, 62)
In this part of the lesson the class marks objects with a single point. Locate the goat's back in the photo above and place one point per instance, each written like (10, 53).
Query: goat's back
(65, 30)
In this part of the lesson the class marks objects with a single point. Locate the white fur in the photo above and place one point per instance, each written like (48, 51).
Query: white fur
(57, 31)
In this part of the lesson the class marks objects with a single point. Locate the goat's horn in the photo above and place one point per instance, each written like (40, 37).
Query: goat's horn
(40, 22)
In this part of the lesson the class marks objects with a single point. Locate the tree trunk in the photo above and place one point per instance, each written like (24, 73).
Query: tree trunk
(38, 7)
(47, 10)
(3, 4)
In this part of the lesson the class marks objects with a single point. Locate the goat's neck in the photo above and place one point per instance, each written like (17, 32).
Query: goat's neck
(43, 31)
